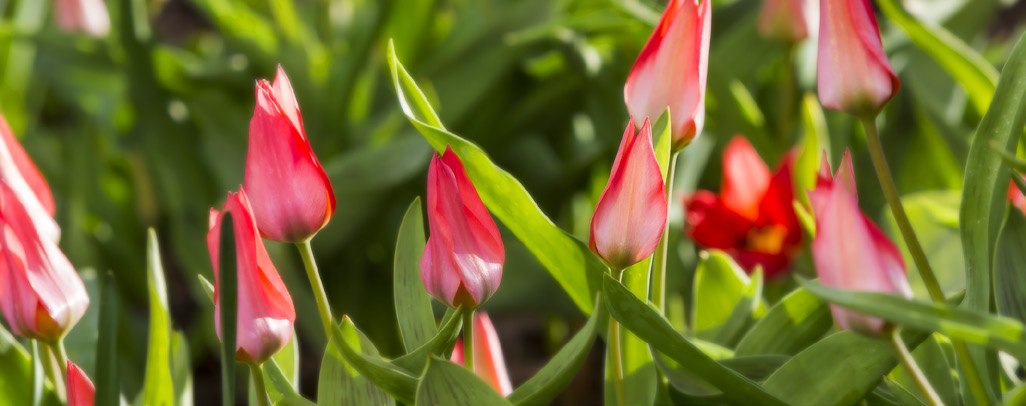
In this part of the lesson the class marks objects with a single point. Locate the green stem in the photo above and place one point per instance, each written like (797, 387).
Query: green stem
(61, 354)
(883, 173)
(913, 369)
(787, 96)
(315, 283)
(616, 355)
(659, 267)
(468, 339)
(258, 384)
(51, 373)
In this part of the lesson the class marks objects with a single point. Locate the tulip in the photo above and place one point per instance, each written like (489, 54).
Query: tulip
(1016, 197)
(81, 391)
(631, 213)
(783, 20)
(753, 218)
(21, 175)
(462, 261)
(849, 251)
(265, 312)
(853, 73)
(41, 295)
(488, 361)
(292, 196)
(671, 70)
(82, 16)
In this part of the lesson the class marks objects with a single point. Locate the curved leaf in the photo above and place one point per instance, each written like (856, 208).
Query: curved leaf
(794, 323)
(440, 344)
(1010, 267)
(412, 302)
(389, 378)
(157, 385)
(338, 383)
(445, 383)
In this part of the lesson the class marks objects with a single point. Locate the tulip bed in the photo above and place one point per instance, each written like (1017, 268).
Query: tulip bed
(811, 202)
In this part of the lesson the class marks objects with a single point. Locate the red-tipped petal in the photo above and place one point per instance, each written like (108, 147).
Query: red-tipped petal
(81, 391)
(745, 178)
(21, 175)
(286, 98)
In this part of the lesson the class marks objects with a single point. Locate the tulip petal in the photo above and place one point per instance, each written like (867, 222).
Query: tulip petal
(88, 17)
(81, 391)
(489, 363)
(21, 175)
(854, 75)
(745, 178)
(286, 98)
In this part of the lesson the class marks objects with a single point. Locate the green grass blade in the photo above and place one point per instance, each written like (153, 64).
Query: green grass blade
(157, 385)
(107, 379)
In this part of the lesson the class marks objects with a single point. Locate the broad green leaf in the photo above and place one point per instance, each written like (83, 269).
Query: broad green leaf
(341, 384)
(550, 381)
(1010, 267)
(745, 312)
(961, 61)
(228, 295)
(639, 375)
(158, 388)
(649, 325)
(967, 325)
(838, 370)
(720, 285)
(389, 378)
(445, 383)
(569, 260)
(279, 389)
(794, 323)
(16, 377)
(181, 372)
(441, 344)
(756, 368)
(287, 361)
(412, 302)
(892, 393)
(106, 379)
(815, 141)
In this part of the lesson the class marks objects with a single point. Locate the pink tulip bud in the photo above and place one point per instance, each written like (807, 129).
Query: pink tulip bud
(81, 391)
(488, 361)
(292, 196)
(631, 213)
(849, 251)
(21, 175)
(82, 16)
(265, 312)
(462, 261)
(854, 74)
(41, 295)
(671, 70)
(783, 20)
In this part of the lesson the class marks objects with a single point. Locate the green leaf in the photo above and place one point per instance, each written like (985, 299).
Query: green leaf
(341, 384)
(961, 61)
(441, 343)
(720, 285)
(756, 368)
(16, 377)
(445, 383)
(662, 140)
(932, 361)
(279, 389)
(569, 260)
(157, 385)
(106, 379)
(181, 372)
(649, 325)
(228, 300)
(412, 302)
(838, 370)
(1010, 267)
(639, 376)
(242, 26)
(391, 379)
(208, 287)
(746, 311)
(815, 141)
(967, 325)
(557, 374)
(794, 323)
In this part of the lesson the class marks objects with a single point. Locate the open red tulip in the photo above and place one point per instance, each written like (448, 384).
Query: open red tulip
(82, 16)
(631, 213)
(671, 70)
(21, 175)
(463, 258)
(488, 361)
(265, 312)
(853, 72)
(81, 391)
(753, 218)
(783, 20)
(41, 295)
(850, 252)
(291, 194)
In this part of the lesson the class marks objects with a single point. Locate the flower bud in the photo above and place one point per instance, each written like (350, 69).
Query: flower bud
(488, 361)
(81, 391)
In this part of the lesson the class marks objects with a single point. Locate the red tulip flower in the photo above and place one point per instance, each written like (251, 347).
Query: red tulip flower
(82, 16)
(265, 312)
(753, 219)
(292, 196)
(41, 295)
(631, 213)
(462, 261)
(783, 20)
(21, 175)
(488, 361)
(671, 70)
(853, 73)
(81, 391)
(849, 251)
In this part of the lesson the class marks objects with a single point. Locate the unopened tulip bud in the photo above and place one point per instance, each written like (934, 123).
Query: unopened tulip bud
(81, 391)
(488, 361)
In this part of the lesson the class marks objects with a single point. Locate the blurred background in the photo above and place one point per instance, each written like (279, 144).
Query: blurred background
(147, 127)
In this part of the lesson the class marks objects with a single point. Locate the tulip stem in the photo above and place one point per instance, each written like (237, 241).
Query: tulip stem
(659, 267)
(258, 384)
(61, 354)
(616, 355)
(468, 339)
(315, 283)
(51, 373)
(913, 368)
(883, 173)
